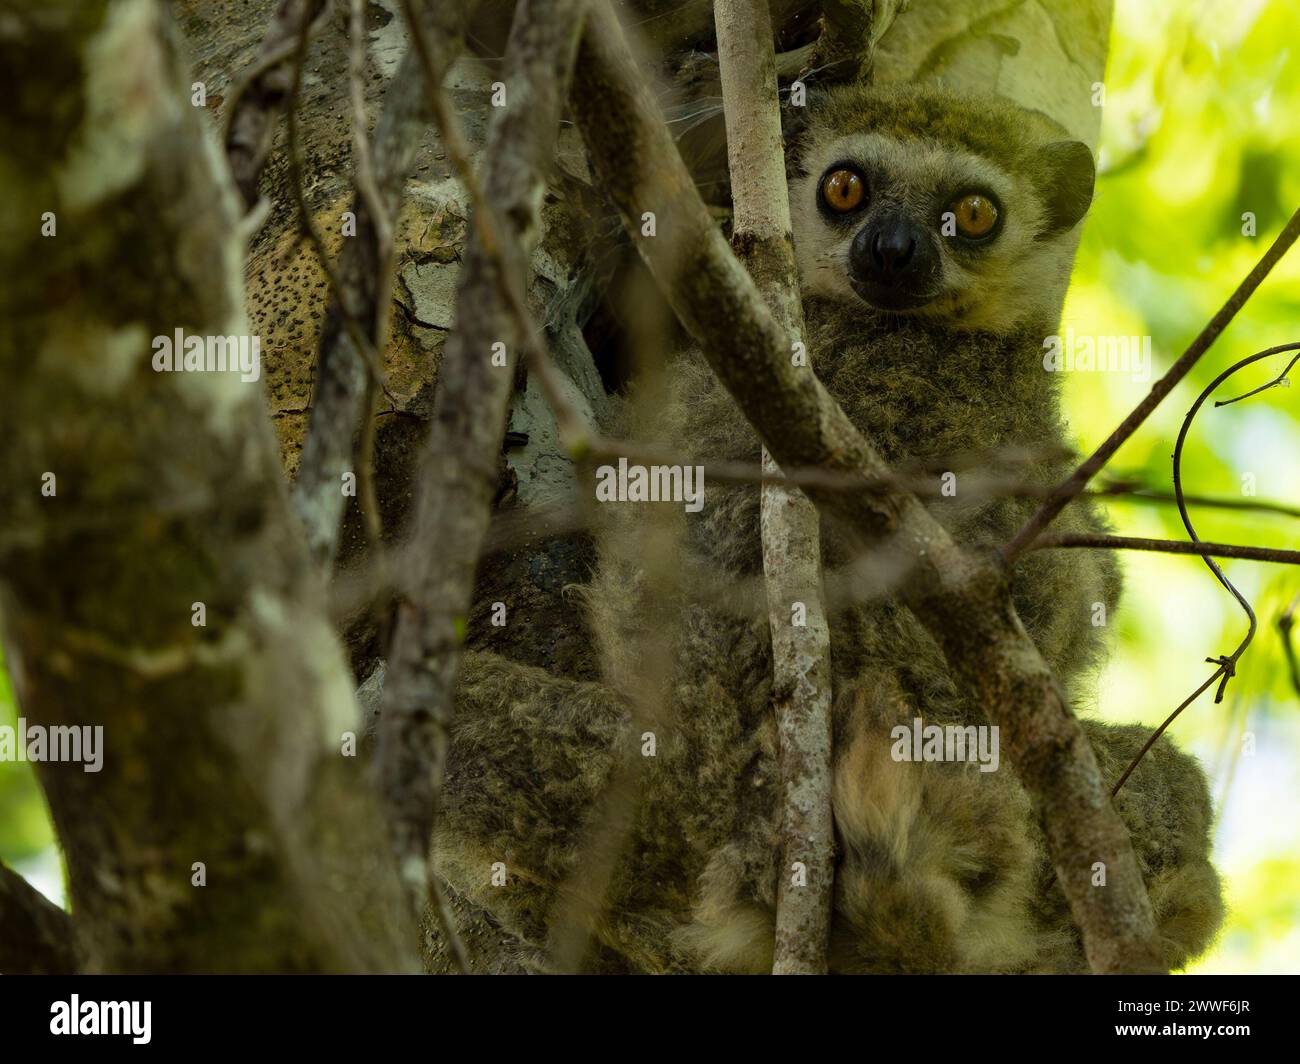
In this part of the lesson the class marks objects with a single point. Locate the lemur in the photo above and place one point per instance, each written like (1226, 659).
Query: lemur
(934, 236)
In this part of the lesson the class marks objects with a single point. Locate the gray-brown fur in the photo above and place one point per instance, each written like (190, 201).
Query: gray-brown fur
(941, 867)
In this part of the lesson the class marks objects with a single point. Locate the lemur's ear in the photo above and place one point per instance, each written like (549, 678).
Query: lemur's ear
(1068, 186)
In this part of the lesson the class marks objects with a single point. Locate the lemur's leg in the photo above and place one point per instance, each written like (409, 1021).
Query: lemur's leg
(530, 755)
(1165, 804)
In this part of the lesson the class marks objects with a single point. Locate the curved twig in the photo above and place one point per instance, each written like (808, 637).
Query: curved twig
(1227, 663)
(1284, 625)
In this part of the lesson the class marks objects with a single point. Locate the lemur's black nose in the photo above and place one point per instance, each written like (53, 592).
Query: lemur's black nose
(886, 248)
(892, 247)
(892, 261)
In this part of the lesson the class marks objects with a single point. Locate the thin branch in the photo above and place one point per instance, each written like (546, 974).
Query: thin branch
(791, 539)
(513, 528)
(1134, 492)
(367, 344)
(921, 478)
(442, 911)
(367, 180)
(367, 183)
(257, 96)
(459, 473)
(1228, 662)
(489, 230)
(35, 934)
(307, 222)
(963, 600)
(1220, 671)
(869, 576)
(1281, 380)
(921, 484)
(1078, 480)
(1166, 546)
(583, 894)
(356, 322)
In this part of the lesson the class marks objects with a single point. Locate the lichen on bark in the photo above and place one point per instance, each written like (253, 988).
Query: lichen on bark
(222, 740)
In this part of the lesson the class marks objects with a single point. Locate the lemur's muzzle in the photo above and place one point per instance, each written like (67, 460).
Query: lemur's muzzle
(893, 263)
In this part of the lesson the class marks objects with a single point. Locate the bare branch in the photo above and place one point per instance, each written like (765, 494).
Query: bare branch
(924, 484)
(791, 539)
(1078, 480)
(459, 475)
(963, 600)
(356, 322)
(257, 96)
(1221, 671)
(305, 219)
(1227, 662)
(367, 182)
(367, 583)
(921, 483)
(583, 893)
(1166, 546)
(1135, 492)
(442, 911)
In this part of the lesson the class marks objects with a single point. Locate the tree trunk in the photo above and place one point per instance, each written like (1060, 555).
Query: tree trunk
(153, 580)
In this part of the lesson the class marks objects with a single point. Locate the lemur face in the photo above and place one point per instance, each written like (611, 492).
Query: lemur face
(914, 221)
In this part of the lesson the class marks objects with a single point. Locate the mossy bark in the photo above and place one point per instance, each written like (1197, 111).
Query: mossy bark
(222, 741)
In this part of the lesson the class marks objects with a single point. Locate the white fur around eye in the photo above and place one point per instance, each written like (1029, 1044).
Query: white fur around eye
(1012, 278)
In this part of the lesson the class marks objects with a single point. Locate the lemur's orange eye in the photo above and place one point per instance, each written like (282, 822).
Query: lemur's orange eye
(843, 190)
(976, 215)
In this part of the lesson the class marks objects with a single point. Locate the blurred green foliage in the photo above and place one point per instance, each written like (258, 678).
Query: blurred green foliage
(1201, 126)
(25, 830)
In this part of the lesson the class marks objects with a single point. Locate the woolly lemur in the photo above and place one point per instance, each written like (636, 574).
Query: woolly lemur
(934, 236)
